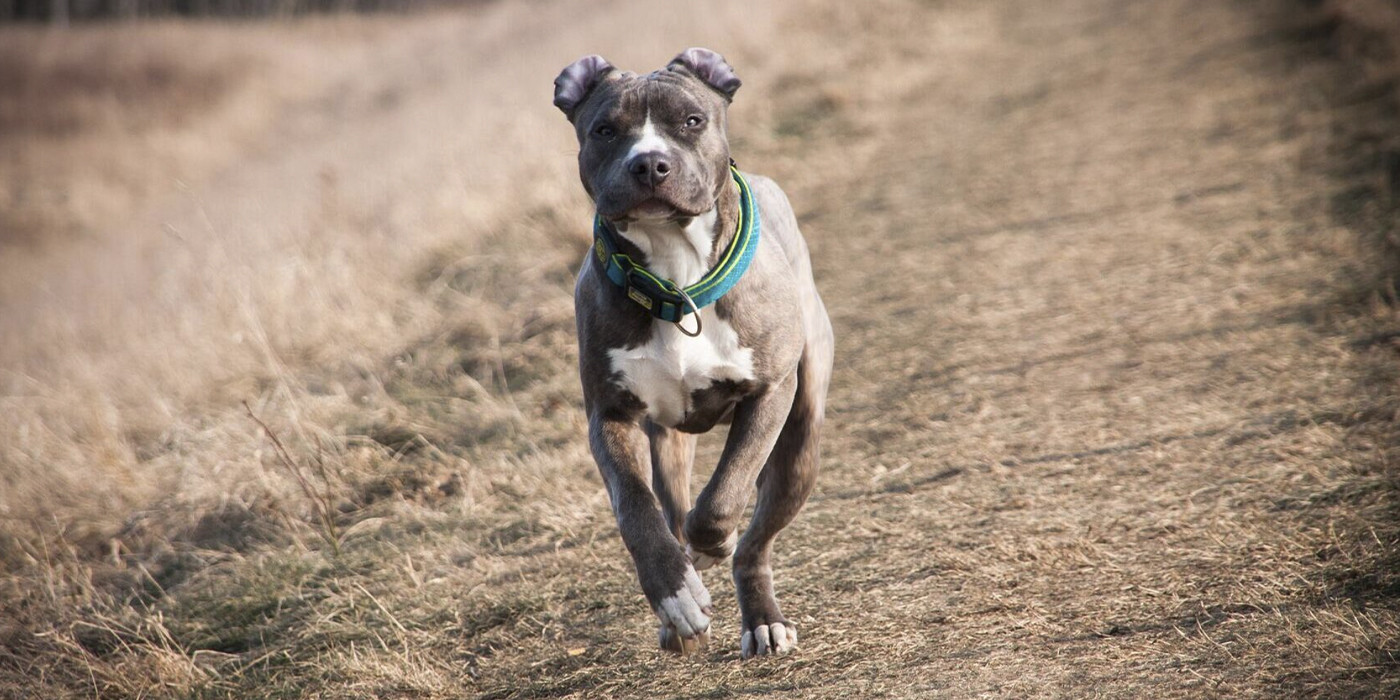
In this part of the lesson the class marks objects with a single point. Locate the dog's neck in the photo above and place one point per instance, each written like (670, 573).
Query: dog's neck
(684, 250)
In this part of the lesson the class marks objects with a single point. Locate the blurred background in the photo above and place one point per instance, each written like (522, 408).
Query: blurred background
(288, 391)
(63, 11)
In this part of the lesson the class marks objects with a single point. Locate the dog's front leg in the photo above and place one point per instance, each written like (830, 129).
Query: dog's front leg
(757, 422)
(670, 583)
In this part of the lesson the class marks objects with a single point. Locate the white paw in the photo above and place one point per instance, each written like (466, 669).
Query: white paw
(777, 638)
(703, 561)
(687, 612)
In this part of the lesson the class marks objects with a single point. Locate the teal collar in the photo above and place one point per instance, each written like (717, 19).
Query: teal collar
(665, 299)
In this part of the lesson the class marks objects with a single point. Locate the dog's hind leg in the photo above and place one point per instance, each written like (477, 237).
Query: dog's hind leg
(783, 487)
(672, 453)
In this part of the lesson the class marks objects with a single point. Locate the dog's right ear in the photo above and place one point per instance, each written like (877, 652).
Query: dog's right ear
(576, 81)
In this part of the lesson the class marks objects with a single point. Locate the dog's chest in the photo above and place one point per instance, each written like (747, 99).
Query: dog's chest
(673, 373)
(668, 370)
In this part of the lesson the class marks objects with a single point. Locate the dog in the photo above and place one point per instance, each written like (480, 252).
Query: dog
(695, 307)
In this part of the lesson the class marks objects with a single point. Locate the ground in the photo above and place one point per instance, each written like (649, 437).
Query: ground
(289, 396)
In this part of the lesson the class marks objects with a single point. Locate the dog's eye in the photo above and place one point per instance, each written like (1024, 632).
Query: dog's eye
(605, 131)
(694, 120)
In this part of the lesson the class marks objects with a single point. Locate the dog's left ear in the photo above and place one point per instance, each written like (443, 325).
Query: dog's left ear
(577, 80)
(709, 67)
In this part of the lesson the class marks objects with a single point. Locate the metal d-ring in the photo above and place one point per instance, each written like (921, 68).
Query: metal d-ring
(694, 309)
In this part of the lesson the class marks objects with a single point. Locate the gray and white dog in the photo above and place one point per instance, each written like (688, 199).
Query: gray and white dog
(654, 156)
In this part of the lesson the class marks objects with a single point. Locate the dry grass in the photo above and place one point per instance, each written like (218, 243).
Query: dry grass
(1126, 428)
(99, 123)
(94, 121)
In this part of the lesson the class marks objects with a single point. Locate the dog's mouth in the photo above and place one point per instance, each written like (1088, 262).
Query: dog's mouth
(652, 209)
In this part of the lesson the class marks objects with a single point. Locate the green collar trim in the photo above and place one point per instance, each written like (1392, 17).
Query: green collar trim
(663, 298)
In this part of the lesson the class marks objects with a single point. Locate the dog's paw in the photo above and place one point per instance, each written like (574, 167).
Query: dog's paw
(685, 615)
(771, 638)
(702, 560)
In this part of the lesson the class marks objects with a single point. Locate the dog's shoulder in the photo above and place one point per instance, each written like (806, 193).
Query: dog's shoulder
(779, 221)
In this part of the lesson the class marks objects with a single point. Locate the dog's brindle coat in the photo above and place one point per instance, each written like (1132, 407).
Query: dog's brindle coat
(654, 156)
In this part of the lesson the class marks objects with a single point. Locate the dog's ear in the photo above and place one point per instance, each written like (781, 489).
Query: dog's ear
(709, 67)
(575, 82)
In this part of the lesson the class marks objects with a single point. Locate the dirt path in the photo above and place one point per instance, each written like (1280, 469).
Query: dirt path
(1113, 412)
(1096, 378)
(1099, 426)
(1095, 410)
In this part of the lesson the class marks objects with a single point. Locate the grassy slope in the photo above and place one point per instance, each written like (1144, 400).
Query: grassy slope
(1125, 426)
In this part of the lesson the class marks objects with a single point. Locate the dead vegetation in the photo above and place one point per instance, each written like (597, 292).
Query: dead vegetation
(85, 119)
(99, 122)
(1126, 427)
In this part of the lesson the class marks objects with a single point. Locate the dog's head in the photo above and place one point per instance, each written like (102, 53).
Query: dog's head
(651, 146)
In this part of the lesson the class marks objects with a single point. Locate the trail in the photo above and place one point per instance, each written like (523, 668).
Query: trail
(1093, 368)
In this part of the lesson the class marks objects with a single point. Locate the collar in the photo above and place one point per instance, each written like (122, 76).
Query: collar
(663, 298)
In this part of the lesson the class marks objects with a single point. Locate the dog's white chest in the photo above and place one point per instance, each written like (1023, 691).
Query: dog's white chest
(668, 368)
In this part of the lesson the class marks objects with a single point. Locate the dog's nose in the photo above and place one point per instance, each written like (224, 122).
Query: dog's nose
(649, 168)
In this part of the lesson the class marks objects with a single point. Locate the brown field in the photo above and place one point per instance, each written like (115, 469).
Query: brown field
(1115, 411)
